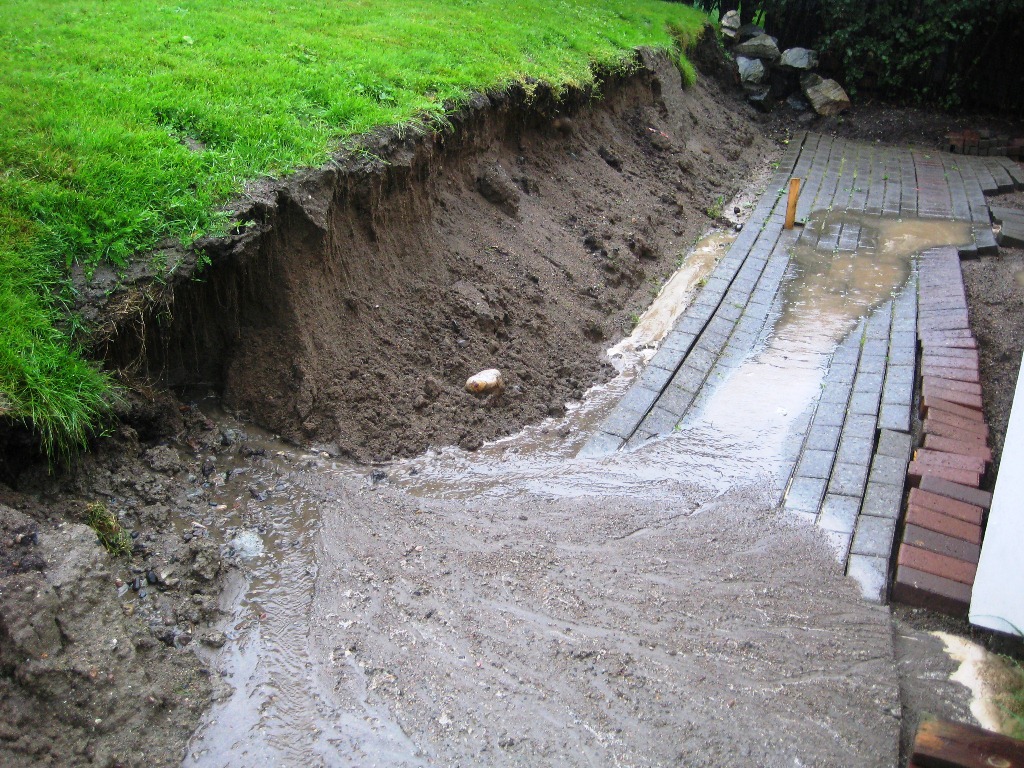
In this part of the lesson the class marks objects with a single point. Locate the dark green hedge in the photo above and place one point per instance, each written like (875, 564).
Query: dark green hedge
(946, 53)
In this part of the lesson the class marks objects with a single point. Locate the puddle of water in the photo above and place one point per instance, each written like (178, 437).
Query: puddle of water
(825, 294)
(676, 294)
(276, 711)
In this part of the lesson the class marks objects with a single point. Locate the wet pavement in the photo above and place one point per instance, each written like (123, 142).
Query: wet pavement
(659, 576)
(801, 349)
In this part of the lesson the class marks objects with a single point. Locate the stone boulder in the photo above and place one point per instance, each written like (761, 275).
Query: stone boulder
(827, 97)
(761, 47)
(760, 96)
(748, 31)
(751, 70)
(730, 22)
(799, 58)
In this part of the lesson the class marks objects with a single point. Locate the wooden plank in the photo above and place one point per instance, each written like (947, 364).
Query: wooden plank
(794, 195)
(996, 600)
(944, 744)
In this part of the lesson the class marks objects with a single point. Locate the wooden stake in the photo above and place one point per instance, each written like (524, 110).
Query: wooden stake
(794, 195)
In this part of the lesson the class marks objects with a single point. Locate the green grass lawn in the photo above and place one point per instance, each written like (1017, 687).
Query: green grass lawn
(122, 123)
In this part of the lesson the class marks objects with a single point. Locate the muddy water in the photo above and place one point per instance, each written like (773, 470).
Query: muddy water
(410, 618)
(270, 710)
(825, 294)
(675, 295)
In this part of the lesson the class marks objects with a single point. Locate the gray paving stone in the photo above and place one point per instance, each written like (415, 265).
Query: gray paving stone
(719, 326)
(841, 373)
(855, 450)
(835, 393)
(702, 358)
(875, 347)
(821, 438)
(676, 400)
(655, 378)
(678, 341)
(882, 500)
(690, 324)
(839, 513)
(600, 444)
(899, 385)
(805, 495)
(638, 399)
(859, 425)
(717, 285)
(877, 330)
(888, 469)
(864, 403)
(847, 353)
(667, 359)
(621, 421)
(730, 310)
(815, 463)
(894, 416)
(893, 443)
(874, 536)
(713, 341)
(872, 363)
(904, 339)
(689, 377)
(848, 479)
(867, 382)
(660, 421)
(902, 356)
(830, 414)
(872, 576)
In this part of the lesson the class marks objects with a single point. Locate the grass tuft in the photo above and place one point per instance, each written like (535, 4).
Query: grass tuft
(125, 123)
(114, 538)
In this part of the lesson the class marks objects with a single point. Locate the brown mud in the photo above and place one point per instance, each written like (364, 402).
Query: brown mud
(95, 663)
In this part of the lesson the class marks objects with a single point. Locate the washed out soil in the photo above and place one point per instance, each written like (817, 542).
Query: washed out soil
(95, 663)
(362, 295)
(346, 311)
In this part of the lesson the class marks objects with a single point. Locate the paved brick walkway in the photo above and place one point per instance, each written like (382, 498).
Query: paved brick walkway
(848, 471)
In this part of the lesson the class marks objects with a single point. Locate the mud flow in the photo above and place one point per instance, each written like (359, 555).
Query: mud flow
(516, 605)
(674, 296)
(744, 422)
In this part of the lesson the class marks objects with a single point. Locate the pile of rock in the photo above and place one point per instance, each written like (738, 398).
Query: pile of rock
(770, 76)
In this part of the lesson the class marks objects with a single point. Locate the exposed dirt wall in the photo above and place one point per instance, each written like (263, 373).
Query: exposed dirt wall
(351, 311)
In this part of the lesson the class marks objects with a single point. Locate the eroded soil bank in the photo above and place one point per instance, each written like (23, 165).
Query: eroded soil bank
(353, 309)
(347, 311)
